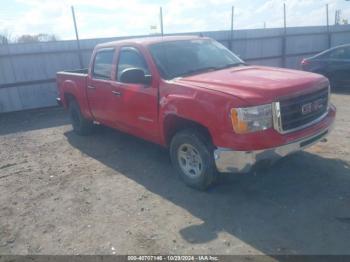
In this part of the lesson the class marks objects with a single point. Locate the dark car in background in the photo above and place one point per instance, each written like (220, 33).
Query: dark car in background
(333, 63)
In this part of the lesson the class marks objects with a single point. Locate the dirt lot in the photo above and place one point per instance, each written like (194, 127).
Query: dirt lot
(112, 193)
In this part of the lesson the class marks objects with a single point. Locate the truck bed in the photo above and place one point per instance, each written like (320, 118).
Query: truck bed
(74, 83)
(83, 72)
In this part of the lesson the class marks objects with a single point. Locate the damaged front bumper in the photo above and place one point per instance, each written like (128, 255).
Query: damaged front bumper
(231, 161)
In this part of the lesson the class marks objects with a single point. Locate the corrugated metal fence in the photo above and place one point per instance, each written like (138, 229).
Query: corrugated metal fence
(27, 71)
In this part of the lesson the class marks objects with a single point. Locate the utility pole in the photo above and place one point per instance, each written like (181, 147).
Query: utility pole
(161, 20)
(77, 37)
(285, 17)
(329, 36)
(284, 38)
(337, 17)
(231, 32)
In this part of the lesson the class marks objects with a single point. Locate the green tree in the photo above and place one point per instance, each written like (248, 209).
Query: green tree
(37, 38)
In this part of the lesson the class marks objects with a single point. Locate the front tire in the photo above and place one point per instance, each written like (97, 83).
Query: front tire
(81, 125)
(191, 153)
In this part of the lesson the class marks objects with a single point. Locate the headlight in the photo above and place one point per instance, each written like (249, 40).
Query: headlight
(251, 119)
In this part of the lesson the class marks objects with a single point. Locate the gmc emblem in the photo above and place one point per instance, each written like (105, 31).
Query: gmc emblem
(313, 106)
(306, 108)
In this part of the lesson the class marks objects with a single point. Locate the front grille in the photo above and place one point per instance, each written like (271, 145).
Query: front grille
(299, 111)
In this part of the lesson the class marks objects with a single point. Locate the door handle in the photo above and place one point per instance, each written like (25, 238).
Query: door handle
(116, 93)
(91, 87)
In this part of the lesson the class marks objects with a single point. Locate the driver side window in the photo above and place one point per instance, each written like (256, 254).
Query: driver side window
(130, 57)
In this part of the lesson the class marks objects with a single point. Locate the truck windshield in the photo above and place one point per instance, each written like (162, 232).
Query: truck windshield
(189, 57)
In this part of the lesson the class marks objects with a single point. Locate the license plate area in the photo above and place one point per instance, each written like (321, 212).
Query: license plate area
(313, 139)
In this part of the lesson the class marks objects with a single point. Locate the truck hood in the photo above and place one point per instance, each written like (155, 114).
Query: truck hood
(257, 84)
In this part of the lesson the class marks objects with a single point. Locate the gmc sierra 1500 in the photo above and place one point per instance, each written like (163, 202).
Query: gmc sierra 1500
(191, 94)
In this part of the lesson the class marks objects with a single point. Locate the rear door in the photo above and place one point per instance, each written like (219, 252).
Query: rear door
(99, 86)
(137, 103)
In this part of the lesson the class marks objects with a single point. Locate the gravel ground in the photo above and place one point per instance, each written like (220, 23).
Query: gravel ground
(111, 193)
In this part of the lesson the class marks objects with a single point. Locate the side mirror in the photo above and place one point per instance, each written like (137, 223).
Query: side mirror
(135, 76)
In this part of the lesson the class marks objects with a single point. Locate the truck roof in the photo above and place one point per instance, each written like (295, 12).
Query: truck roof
(149, 40)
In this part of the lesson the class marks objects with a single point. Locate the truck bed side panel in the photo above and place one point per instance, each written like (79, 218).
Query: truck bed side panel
(70, 84)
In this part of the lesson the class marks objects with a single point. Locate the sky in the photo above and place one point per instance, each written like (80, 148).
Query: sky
(111, 18)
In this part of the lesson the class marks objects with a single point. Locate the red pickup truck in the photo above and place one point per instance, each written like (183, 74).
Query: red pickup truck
(191, 94)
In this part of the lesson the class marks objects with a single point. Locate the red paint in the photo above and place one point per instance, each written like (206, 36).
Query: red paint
(204, 98)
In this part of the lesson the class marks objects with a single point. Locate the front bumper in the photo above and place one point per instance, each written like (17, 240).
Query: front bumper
(230, 161)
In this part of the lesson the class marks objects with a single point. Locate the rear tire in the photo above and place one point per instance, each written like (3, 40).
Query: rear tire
(191, 153)
(81, 125)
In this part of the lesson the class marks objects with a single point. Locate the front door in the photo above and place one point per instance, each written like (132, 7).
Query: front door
(137, 103)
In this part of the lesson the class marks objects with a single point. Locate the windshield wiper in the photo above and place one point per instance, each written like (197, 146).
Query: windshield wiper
(199, 70)
(231, 65)
(210, 68)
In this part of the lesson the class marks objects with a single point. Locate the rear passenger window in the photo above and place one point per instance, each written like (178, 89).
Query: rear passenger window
(130, 57)
(103, 64)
